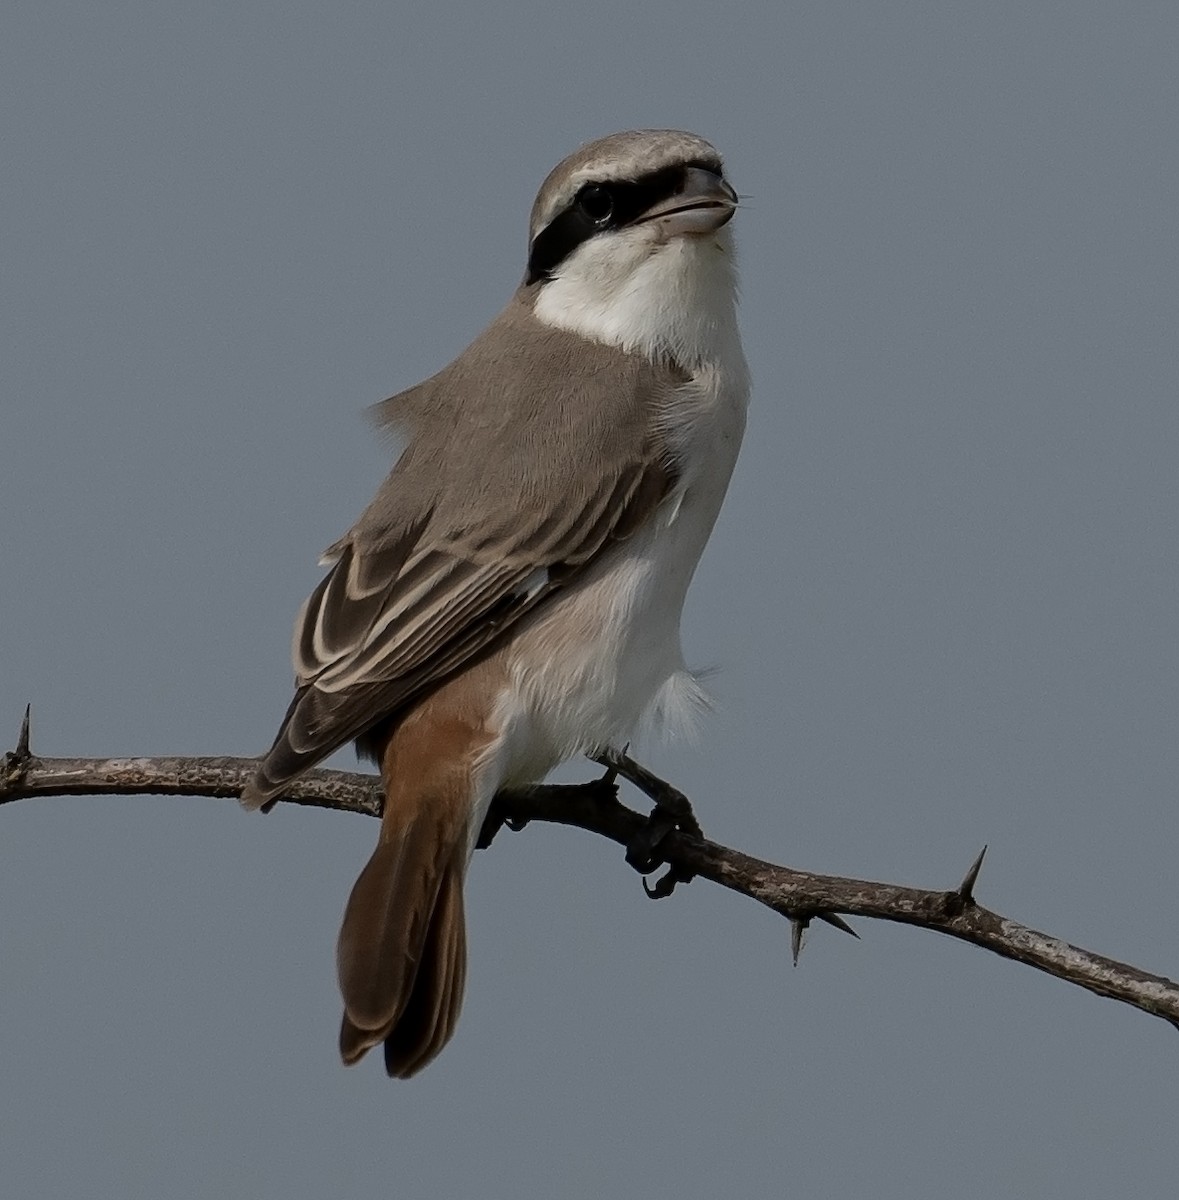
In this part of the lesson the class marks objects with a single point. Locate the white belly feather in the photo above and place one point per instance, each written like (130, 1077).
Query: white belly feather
(603, 661)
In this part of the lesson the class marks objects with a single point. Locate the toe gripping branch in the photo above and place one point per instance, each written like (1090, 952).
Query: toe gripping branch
(493, 822)
(672, 813)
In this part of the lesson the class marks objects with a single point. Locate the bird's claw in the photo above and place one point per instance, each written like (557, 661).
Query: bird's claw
(672, 814)
(644, 852)
(666, 883)
(493, 822)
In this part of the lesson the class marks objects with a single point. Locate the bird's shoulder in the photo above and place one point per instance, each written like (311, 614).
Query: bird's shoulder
(527, 416)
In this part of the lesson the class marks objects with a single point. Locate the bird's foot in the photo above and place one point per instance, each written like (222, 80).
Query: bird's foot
(672, 814)
(644, 853)
(494, 821)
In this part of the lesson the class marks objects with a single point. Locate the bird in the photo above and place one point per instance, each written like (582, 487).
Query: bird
(511, 597)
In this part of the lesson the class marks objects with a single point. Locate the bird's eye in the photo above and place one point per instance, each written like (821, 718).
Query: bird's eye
(596, 202)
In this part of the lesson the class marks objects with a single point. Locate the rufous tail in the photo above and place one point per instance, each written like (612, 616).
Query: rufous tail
(402, 952)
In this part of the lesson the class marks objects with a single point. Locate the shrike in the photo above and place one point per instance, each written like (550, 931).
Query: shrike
(512, 595)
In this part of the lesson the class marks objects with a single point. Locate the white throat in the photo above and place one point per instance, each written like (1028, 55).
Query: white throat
(674, 301)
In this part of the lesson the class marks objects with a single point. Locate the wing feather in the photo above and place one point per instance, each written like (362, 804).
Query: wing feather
(393, 619)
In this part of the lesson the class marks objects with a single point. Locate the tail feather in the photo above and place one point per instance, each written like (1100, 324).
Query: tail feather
(402, 951)
(384, 931)
(429, 1019)
(409, 1001)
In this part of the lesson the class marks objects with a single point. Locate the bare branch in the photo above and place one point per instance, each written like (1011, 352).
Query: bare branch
(799, 896)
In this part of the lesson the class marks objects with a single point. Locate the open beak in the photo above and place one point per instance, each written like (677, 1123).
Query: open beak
(702, 205)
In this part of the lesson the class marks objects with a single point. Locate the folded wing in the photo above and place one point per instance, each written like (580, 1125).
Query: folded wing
(398, 613)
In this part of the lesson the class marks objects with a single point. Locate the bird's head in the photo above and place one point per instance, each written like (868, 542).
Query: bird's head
(629, 244)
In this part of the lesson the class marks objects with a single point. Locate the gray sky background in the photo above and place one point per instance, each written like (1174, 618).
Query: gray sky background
(941, 597)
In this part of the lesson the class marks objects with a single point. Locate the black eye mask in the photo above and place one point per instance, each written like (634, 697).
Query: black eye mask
(599, 207)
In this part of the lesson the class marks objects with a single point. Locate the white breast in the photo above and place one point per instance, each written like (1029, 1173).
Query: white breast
(664, 299)
(604, 660)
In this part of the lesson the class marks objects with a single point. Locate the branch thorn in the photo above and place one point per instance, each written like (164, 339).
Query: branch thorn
(798, 927)
(837, 922)
(22, 742)
(966, 887)
(611, 759)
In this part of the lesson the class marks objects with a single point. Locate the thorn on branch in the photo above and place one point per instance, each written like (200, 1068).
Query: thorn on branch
(15, 763)
(605, 788)
(22, 751)
(610, 779)
(798, 927)
(837, 922)
(966, 887)
(800, 922)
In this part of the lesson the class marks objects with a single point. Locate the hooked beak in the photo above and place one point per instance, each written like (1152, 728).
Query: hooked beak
(702, 205)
